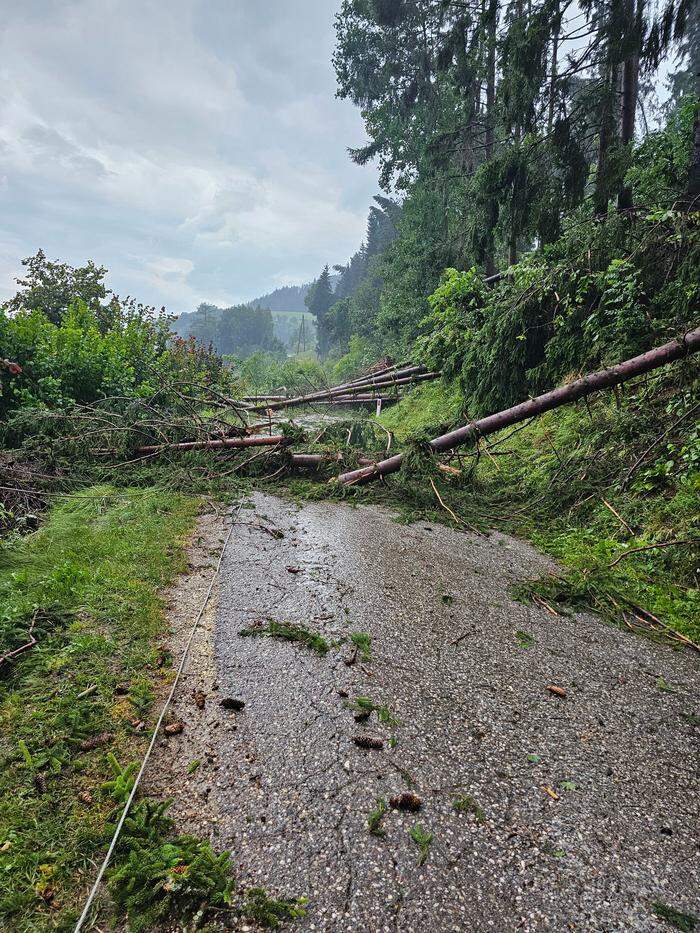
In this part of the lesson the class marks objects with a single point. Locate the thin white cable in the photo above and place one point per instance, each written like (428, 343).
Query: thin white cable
(156, 731)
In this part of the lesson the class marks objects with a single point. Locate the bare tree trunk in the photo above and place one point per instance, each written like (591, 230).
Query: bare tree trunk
(517, 136)
(553, 74)
(489, 135)
(564, 395)
(630, 91)
(693, 189)
(601, 195)
(263, 440)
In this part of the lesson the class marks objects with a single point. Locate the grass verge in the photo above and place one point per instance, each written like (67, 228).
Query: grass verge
(89, 582)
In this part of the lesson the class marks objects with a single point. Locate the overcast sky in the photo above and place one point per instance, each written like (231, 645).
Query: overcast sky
(193, 147)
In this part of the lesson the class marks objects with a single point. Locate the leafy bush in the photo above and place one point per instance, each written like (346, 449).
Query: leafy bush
(263, 372)
(80, 360)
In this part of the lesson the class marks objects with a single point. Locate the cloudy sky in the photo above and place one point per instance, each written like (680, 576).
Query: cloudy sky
(194, 147)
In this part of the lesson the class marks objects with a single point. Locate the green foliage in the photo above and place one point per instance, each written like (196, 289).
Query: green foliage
(98, 562)
(360, 356)
(487, 176)
(366, 705)
(457, 312)
(660, 167)
(423, 839)
(374, 820)
(676, 918)
(465, 803)
(598, 295)
(80, 359)
(121, 785)
(270, 912)
(524, 639)
(264, 373)
(238, 331)
(157, 875)
(288, 631)
(424, 410)
(319, 301)
(52, 287)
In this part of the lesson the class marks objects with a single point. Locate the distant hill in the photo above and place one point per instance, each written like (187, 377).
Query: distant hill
(287, 298)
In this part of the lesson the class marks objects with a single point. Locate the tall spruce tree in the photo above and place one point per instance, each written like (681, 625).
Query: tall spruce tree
(319, 301)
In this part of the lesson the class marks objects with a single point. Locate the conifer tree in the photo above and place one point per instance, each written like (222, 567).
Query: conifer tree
(319, 301)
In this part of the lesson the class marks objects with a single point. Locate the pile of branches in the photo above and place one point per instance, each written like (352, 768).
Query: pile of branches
(23, 494)
(120, 425)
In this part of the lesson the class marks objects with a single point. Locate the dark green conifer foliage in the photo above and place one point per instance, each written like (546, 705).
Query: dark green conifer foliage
(319, 301)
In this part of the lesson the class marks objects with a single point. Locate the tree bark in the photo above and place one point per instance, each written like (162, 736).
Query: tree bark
(489, 134)
(564, 395)
(608, 108)
(553, 73)
(350, 388)
(693, 189)
(630, 92)
(262, 440)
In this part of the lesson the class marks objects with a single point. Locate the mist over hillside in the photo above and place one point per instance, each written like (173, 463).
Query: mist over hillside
(287, 298)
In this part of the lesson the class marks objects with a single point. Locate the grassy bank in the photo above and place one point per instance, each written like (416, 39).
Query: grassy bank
(559, 480)
(88, 582)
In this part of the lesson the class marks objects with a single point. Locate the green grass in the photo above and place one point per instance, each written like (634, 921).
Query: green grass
(429, 404)
(91, 576)
(270, 912)
(676, 918)
(363, 642)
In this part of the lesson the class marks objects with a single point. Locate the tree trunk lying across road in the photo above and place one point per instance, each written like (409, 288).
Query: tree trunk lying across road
(313, 461)
(400, 377)
(356, 400)
(344, 391)
(593, 382)
(261, 440)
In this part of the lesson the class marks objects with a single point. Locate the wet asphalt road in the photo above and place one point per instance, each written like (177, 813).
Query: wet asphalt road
(587, 805)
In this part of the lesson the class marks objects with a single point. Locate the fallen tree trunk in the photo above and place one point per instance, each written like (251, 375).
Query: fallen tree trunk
(385, 376)
(262, 398)
(313, 461)
(593, 382)
(356, 400)
(260, 440)
(346, 390)
(395, 372)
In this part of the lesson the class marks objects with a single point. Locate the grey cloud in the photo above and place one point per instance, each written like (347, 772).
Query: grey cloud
(48, 143)
(195, 149)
